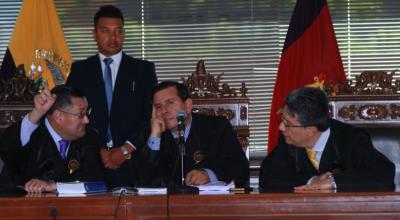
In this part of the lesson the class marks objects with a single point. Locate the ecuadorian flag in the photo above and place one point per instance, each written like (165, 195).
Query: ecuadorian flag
(310, 56)
(38, 38)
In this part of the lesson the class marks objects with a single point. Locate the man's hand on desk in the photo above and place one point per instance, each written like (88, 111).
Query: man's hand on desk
(318, 183)
(197, 177)
(113, 159)
(39, 186)
(316, 191)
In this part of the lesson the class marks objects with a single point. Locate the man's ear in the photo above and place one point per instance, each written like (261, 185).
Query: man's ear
(189, 105)
(94, 34)
(57, 116)
(312, 130)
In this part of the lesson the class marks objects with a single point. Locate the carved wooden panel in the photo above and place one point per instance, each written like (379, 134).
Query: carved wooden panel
(11, 112)
(373, 112)
(16, 96)
(211, 97)
(373, 99)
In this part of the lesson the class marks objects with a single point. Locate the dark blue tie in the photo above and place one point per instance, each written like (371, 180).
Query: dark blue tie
(109, 92)
(63, 148)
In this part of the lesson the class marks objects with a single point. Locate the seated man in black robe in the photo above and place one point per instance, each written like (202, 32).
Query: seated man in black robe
(211, 145)
(319, 153)
(53, 143)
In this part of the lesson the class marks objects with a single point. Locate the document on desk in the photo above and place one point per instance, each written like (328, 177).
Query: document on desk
(217, 186)
(81, 187)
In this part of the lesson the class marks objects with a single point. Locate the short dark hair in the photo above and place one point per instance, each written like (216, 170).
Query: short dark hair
(108, 11)
(63, 94)
(182, 90)
(310, 105)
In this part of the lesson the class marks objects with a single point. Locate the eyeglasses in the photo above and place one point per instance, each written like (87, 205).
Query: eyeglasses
(79, 115)
(286, 124)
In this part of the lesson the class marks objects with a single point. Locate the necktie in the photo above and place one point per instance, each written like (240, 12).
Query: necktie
(109, 92)
(63, 148)
(312, 156)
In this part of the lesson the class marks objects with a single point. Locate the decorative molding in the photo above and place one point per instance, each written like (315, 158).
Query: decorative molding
(11, 112)
(16, 97)
(228, 113)
(369, 83)
(243, 133)
(19, 87)
(373, 99)
(370, 112)
(243, 112)
(8, 117)
(211, 97)
(202, 84)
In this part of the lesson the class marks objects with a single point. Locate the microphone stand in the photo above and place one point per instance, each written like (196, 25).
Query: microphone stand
(183, 188)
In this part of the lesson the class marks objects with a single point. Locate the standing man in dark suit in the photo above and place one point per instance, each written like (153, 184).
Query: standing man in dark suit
(52, 143)
(319, 153)
(212, 148)
(118, 89)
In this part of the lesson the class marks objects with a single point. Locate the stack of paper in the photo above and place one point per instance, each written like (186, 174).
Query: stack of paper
(217, 186)
(81, 187)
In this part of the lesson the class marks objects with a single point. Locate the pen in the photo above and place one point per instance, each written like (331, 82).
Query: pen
(240, 189)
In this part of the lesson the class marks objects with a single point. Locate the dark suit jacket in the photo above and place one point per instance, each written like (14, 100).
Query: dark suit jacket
(131, 104)
(41, 159)
(349, 153)
(213, 137)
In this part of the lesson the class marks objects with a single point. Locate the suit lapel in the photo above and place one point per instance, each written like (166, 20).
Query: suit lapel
(303, 163)
(98, 79)
(45, 152)
(328, 155)
(125, 75)
(73, 152)
(197, 141)
(125, 81)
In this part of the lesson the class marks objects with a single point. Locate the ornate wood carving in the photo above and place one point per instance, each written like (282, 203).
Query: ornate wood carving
(243, 112)
(371, 83)
(370, 112)
(372, 99)
(228, 113)
(211, 97)
(8, 117)
(19, 87)
(202, 84)
(16, 97)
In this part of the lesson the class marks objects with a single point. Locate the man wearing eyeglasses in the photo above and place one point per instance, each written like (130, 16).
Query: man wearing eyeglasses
(318, 153)
(52, 143)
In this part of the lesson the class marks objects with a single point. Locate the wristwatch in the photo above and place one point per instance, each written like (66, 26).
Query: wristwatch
(126, 153)
(333, 183)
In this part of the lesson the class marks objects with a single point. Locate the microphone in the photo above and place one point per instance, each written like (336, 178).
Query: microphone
(182, 189)
(180, 116)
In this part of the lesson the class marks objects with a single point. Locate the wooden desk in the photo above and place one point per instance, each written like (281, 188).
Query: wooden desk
(371, 205)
